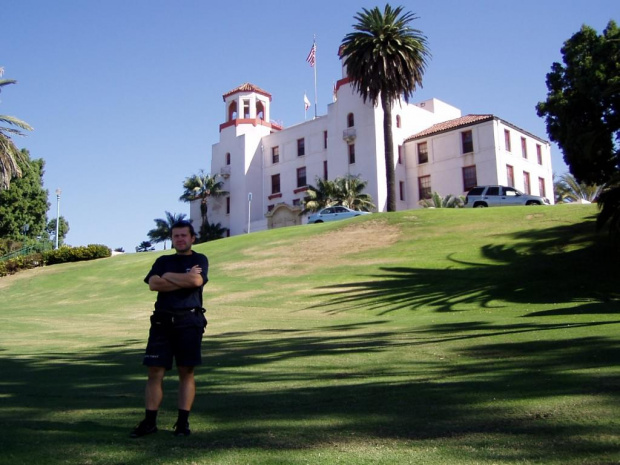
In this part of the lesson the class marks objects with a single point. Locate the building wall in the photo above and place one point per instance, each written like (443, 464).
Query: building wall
(490, 156)
(250, 144)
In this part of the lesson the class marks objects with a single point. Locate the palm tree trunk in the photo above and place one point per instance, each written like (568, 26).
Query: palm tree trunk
(389, 153)
(203, 211)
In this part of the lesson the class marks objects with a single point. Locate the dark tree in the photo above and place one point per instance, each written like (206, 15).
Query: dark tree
(582, 110)
(23, 206)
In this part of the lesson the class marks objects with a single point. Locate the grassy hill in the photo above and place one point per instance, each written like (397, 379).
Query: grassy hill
(425, 336)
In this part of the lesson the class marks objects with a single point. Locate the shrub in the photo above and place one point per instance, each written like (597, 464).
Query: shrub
(76, 254)
(23, 262)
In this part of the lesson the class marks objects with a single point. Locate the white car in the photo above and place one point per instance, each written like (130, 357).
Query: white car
(497, 196)
(333, 214)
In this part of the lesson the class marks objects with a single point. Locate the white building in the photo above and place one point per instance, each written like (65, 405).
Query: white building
(266, 168)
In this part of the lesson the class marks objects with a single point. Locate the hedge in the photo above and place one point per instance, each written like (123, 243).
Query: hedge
(61, 255)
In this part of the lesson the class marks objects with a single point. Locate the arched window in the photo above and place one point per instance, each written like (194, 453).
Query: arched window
(350, 120)
(228, 158)
(397, 121)
(260, 110)
(232, 111)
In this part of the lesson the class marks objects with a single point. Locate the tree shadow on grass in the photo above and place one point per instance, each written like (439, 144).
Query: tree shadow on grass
(78, 408)
(562, 265)
(257, 392)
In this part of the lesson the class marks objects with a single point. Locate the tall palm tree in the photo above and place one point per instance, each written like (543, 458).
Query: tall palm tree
(201, 186)
(567, 189)
(321, 196)
(385, 59)
(163, 227)
(9, 154)
(349, 193)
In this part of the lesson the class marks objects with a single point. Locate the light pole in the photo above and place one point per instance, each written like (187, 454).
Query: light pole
(58, 191)
(249, 210)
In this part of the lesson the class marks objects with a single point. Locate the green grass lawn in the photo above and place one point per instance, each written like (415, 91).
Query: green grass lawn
(487, 336)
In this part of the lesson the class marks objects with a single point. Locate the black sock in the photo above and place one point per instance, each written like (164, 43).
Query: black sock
(183, 417)
(151, 417)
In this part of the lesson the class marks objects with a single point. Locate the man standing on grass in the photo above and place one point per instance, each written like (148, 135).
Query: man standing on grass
(177, 326)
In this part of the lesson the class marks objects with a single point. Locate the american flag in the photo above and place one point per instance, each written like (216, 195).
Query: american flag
(312, 55)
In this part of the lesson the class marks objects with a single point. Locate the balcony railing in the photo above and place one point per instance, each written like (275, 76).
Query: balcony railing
(349, 134)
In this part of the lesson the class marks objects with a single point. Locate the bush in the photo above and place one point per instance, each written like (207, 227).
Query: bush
(23, 262)
(76, 254)
(64, 254)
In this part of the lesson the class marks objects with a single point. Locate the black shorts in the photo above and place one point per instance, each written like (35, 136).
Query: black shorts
(175, 335)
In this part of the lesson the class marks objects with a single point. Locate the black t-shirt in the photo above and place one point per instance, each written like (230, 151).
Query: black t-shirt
(182, 298)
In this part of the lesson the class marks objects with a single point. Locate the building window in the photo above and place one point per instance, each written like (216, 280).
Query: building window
(510, 176)
(324, 139)
(539, 153)
(270, 207)
(541, 187)
(228, 205)
(424, 186)
(400, 154)
(526, 182)
(228, 158)
(350, 120)
(470, 179)
(232, 111)
(301, 147)
(275, 154)
(401, 190)
(246, 108)
(301, 176)
(275, 183)
(467, 141)
(296, 202)
(422, 153)
(397, 121)
(524, 147)
(325, 170)
(260, 110)
(351, 154)
(507, 140)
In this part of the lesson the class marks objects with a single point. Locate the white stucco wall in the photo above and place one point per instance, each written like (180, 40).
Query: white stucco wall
(251, 169)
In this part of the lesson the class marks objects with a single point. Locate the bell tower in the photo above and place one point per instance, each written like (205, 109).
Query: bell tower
(246, 104)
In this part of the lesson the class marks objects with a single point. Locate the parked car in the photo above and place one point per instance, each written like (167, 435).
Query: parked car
(333, 214)
(498, 196)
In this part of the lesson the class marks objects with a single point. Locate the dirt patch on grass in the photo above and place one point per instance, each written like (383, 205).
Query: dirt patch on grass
(6, 281)
(319, 251)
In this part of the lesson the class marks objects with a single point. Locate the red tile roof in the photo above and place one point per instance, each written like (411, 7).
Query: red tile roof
(247, 87)
(449, 125)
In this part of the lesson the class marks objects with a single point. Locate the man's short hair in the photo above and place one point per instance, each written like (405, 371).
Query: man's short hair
(184, 224)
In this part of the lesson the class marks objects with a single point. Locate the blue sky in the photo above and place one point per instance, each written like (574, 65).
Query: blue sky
(125, 96)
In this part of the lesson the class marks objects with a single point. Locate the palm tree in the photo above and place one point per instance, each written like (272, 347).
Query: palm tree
(145, 246)
(9, 154)
(567, 189)
(211, 232)
(349, 193)
(385, 59)
(201, 186)
(437, 201)
(319, 197)
(163, 229)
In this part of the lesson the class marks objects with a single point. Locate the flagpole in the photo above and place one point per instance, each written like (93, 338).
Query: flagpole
(315, 66)
(312, 61)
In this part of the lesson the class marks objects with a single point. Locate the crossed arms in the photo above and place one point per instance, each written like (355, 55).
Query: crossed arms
(175, 281)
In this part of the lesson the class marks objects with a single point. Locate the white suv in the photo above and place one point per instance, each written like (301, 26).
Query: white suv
(499, 196)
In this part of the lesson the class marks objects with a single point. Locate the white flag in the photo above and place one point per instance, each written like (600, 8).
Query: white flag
(306, 102)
